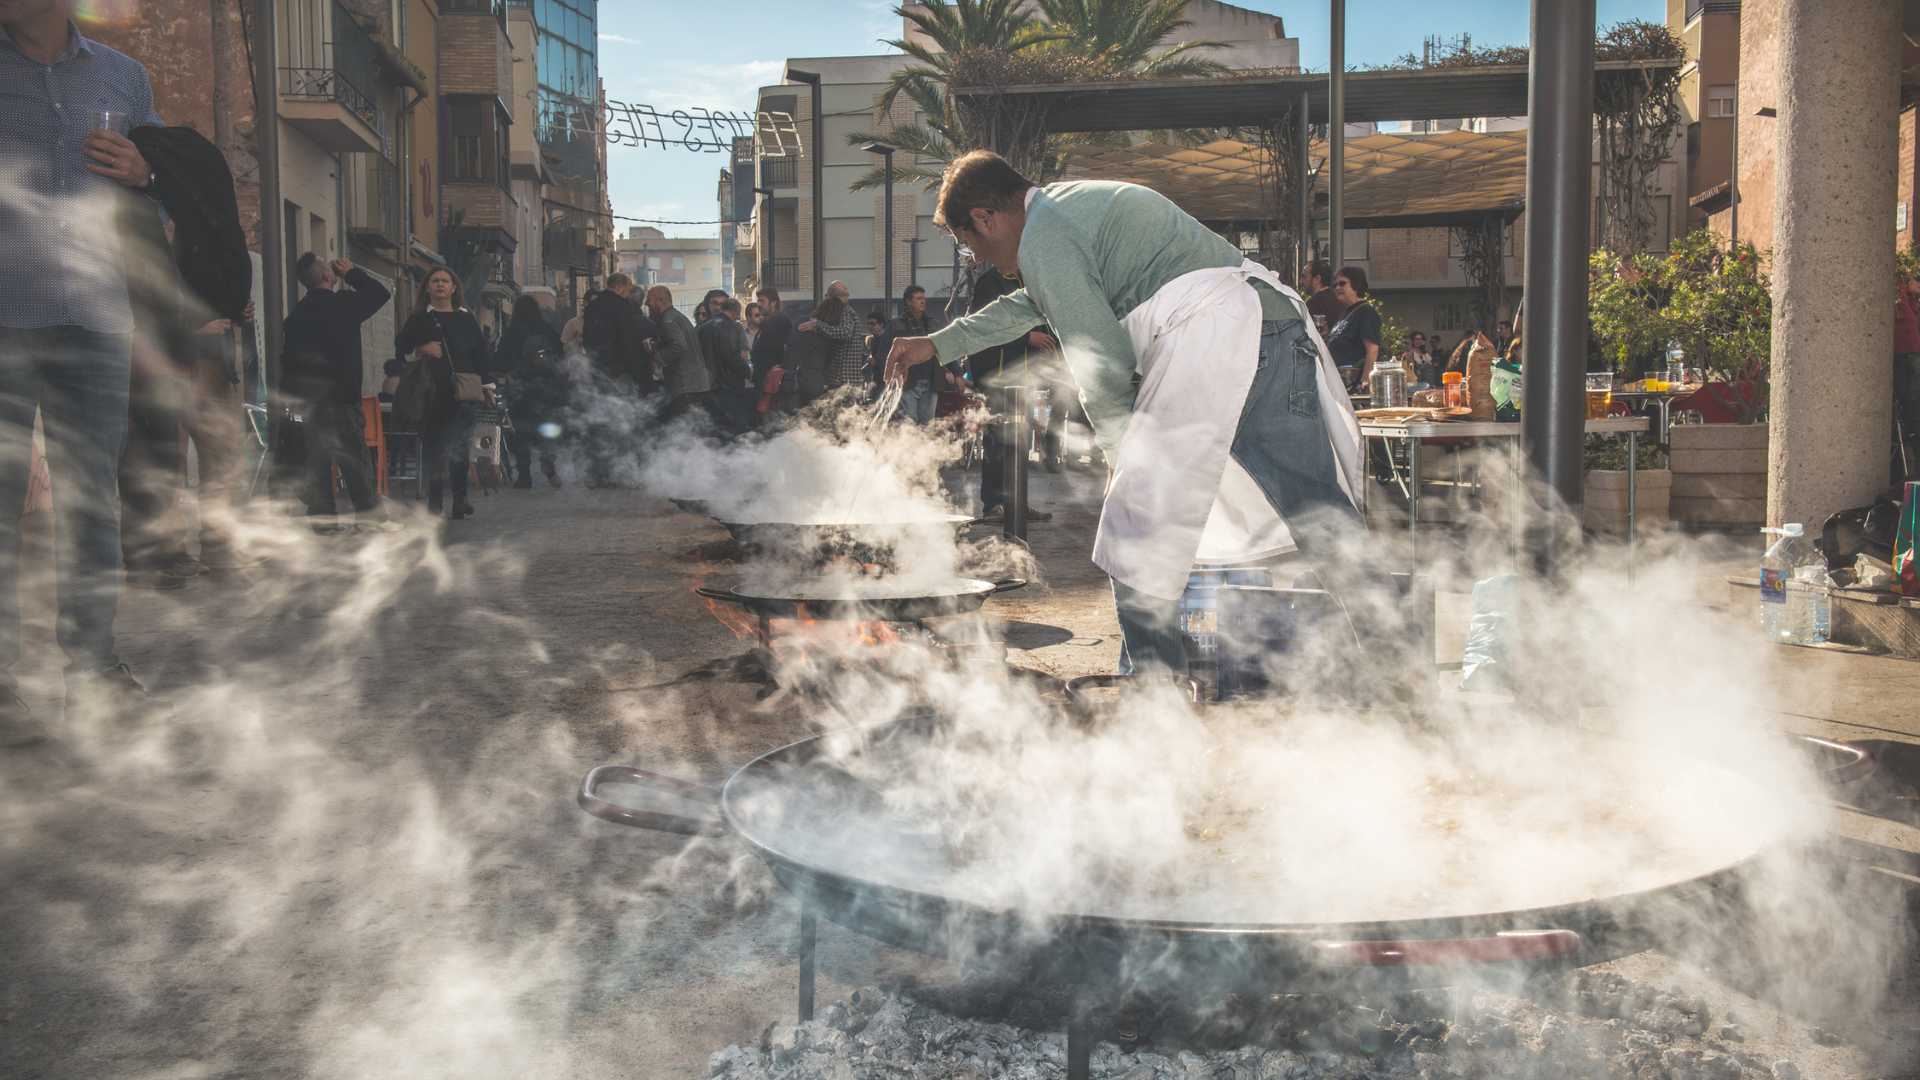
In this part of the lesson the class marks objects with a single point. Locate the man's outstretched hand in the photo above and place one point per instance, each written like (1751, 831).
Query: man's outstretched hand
(907, 352)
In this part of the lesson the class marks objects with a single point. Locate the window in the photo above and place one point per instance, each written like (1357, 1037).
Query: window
(1720, 102)
(679, 262)
(466, 123)
(653, 262)
(1449, 316)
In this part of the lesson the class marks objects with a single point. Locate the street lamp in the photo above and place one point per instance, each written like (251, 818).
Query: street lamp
(886, 161)
(913, 254)
(812, 79)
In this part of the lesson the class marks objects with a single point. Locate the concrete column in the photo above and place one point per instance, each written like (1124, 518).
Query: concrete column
(1833, 257)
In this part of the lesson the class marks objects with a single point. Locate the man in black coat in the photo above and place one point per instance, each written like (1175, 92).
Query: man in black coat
(192, 309)
(617, 333)
(723, 342)
(619, 337)
(322, 376)
(776, 331)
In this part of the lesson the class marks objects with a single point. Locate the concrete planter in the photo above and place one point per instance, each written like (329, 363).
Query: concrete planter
(1606, 500)
(1720, 474)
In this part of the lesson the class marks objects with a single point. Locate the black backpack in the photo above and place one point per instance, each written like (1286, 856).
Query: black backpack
(1863, 530)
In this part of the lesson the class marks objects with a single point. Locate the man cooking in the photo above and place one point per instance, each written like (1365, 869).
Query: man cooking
(1238, 444)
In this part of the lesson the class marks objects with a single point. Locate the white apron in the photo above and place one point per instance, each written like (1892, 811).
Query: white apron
(1177, 497)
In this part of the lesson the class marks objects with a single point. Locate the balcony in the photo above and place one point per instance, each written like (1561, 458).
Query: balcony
(370, 188)
(565, 247)
(475, 55)
(330, 73)
(784, 273)
(779, 172)
(477, 205)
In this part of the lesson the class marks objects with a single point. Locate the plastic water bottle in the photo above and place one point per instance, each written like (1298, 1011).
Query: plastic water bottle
(1810, 602)
(1676, 356)
(1795, 602)
(1776, 571)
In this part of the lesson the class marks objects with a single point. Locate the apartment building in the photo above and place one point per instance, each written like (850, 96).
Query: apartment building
(526, 165)
(1735, 45)
(853, 227)
(690, 266)
(1709, 96)
(576, 221)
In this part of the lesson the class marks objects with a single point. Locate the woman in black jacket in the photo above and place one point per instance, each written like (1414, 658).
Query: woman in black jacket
(447, 338)
(531, 351)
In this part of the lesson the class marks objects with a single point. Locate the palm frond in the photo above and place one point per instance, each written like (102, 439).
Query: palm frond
(902, 174)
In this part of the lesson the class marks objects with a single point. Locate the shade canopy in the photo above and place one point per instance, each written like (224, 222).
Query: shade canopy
(1392, 180)
(1253, 100)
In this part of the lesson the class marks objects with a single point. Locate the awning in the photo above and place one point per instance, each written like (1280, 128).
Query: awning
(1392, 180)
(1254, 100)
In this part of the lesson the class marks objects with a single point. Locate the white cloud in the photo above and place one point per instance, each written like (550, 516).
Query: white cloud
(692, 83)
(621, 39)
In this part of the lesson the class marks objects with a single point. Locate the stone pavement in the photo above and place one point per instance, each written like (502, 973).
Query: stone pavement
(343, 841)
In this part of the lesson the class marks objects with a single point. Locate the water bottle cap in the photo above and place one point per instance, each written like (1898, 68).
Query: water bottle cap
(1793, 528)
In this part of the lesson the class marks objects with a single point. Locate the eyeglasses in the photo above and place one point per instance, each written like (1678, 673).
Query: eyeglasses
(1342, 283)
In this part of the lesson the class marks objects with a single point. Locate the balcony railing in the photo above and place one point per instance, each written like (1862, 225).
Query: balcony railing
(779, 172)
(341, 66)
(495, 8)
(784, 272)
(370, 187)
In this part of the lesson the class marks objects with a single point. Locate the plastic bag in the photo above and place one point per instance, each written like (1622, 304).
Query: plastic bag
(1906, 574)
(1485, 663)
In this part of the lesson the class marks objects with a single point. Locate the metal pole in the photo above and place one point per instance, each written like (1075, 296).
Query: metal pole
(266, 128)
(812, 78)
(913, 256)
(887, 290)
(1559, 189)
(1016, 463)
(1303, 161)
(1733, 152)
(1337, 139)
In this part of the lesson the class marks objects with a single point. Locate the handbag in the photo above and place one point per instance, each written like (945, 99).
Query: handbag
(413, 398)
(468, 387)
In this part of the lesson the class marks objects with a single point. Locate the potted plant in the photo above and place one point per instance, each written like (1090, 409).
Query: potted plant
(1716, 302)
(1605, 499)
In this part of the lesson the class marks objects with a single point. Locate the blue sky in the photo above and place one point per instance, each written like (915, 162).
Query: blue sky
(654, 52)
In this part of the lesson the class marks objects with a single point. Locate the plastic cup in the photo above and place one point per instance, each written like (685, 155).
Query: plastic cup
(1599, 394)
(109, 120)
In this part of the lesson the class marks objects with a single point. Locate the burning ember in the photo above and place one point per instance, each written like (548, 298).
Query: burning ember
(1602, 1026)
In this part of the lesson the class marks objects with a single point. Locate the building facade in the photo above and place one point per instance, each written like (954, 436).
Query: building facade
(567, 105)
(855, 236)
(689, 266)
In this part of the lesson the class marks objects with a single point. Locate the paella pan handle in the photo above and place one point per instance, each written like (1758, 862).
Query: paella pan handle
(1008, 585)
(712, 593)
(1844, 763)
(1507, 947)
(700, 816)
(1077, 688)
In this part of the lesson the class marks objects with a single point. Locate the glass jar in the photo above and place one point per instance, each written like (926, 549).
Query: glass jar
(1389, 384)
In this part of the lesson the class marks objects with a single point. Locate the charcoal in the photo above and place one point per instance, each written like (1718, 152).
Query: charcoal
(882, 1035)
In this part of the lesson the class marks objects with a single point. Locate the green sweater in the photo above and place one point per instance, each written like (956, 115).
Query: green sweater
(1090, 253)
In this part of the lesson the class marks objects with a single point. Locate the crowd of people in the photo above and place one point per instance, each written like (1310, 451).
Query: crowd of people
(1342, 309)
(740, 364)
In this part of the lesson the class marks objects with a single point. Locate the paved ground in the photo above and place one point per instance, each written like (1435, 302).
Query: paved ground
(343, 843)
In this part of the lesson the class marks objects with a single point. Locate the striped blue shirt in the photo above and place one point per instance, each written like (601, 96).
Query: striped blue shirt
(60, 261)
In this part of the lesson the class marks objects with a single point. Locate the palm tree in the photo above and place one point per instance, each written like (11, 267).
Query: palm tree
(988, 42)
(1124, 36)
